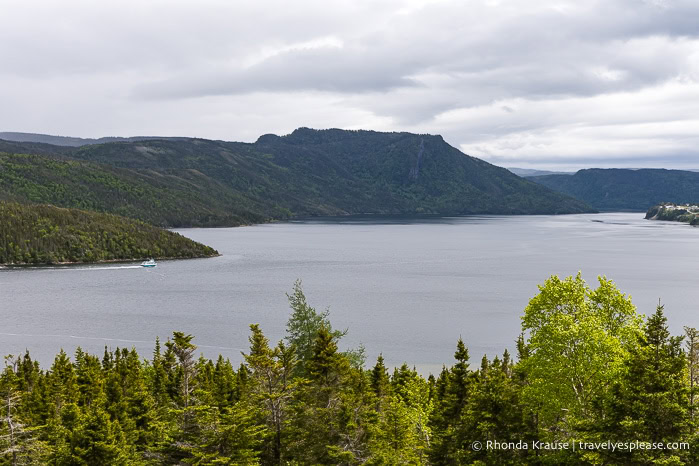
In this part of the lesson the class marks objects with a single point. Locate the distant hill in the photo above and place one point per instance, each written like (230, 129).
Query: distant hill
(40, 234)
(626, 189)
(185, 182)
(68, 141)
(38, 148)
(527, 172)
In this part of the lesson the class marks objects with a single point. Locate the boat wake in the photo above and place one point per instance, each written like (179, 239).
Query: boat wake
(76, 337)
(85, 267)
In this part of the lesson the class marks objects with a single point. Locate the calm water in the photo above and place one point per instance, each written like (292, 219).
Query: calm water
(407, 288)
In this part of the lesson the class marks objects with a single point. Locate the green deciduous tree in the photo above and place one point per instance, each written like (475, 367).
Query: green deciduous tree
(578, 340)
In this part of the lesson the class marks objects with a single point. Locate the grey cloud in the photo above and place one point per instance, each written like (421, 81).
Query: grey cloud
(451, 67)
(326, 69)
(538, 53)
(669, 160)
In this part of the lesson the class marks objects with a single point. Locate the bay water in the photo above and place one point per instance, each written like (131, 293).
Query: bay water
(404, 287)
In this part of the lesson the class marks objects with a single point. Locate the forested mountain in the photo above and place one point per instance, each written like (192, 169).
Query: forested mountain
(624, 189)
(594, 382)
(309, 172)
(39, 234)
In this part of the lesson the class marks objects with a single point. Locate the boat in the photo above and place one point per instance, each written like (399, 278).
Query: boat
(148, 263)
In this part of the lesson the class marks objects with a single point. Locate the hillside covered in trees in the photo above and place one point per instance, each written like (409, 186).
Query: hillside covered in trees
(198, 182)
(625, 189)
(40, 234)
(185, 199)
(593, 382)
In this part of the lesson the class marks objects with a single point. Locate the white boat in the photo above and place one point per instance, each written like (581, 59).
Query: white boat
(148, 263)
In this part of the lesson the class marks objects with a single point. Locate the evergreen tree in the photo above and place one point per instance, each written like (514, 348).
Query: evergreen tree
(272, 388)
(380, 382)
(317, 429)
(651, 400)
(303, 326)
(180, 442)
(18, 441)
(453, 387)
(692, 346)
(625, 382)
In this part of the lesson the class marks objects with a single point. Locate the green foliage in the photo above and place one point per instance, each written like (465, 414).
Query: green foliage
(589, 369)
(652, 398)
(578, 341)
(303, 327)
(41, 234)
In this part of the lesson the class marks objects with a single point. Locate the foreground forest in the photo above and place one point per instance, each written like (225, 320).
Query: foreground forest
(593, 382)
(44, 234)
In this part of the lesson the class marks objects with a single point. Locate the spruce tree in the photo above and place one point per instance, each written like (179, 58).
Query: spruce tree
(651, 401)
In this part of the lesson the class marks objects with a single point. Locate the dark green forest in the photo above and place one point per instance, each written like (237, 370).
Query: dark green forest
(41, 234)
(185, 199)
(197, 182)
(618, 189)
(589, 369)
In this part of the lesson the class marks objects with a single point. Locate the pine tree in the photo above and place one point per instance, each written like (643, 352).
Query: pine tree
(180, 442)
(495, 413)
(224, 383)
(97, 440)
(651, 401)
(272, 388)
(304, 324)
(692, 345)
(380, 382)
(317, 429)
(18, 441)
(453, 389)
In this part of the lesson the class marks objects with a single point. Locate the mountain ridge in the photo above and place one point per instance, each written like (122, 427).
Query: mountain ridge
(200, 182)
(70, 141)
(626, 189)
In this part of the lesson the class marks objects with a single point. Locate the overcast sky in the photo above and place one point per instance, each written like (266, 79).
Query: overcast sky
(536, 84)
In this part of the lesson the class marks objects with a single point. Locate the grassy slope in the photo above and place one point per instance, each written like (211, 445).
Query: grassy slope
(36, 234)
(622, 189)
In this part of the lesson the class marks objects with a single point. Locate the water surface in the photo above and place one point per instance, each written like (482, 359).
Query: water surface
(405, 287)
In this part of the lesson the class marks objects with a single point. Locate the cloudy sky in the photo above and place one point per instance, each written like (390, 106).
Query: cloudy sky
(536, 84)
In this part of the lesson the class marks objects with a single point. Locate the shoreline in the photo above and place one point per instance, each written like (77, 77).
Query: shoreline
(302, 218)
(107, 261)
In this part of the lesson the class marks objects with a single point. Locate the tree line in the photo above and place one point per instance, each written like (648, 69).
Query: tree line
(589, 369)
